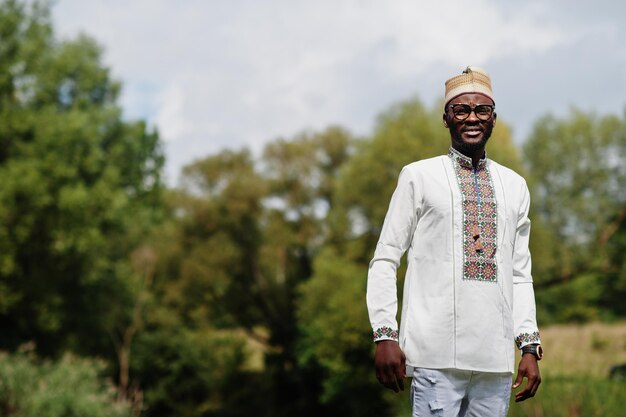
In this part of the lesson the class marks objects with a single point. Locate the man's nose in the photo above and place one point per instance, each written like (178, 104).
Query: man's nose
(472, 118)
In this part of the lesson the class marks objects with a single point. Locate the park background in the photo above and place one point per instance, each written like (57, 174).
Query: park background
(190, 193)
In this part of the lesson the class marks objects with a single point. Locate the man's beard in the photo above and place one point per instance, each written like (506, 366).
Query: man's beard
(469, 149)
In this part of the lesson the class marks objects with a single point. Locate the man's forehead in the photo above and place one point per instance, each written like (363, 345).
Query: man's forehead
(471, 98)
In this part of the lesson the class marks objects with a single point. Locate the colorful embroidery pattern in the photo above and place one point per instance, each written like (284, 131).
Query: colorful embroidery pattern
(480, 217)
(526, 338)
(386, 332)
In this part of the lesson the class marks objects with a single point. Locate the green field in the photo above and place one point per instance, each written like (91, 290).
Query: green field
(575, 374)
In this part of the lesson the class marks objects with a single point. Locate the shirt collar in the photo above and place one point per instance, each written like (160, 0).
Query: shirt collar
(466, 161)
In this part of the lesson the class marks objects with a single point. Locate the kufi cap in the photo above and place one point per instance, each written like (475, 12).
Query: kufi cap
(472, 80)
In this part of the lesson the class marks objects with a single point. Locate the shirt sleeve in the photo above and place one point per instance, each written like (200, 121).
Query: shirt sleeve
(395, 238)
(524, 309)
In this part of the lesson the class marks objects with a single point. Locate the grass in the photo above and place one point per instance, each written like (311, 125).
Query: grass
(575, 374)
(574, 396)
(590, 349)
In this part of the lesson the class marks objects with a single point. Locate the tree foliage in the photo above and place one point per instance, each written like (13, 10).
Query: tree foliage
(242, 290)
(580, 178)
(579, 198)
(79, 186)
(241, 237)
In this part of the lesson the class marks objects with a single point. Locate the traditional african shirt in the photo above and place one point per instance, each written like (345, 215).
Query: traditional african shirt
(468, 297)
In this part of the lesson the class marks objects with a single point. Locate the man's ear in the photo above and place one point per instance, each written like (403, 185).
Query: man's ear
(445, 122)
(495, 117)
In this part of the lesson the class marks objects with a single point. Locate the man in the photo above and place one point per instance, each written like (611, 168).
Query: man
(468, 296)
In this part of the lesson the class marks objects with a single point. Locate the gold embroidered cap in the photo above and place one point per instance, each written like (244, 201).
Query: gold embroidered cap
(472, 80)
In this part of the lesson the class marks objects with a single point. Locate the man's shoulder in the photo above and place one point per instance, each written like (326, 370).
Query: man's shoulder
(507, 172)
(427, 164)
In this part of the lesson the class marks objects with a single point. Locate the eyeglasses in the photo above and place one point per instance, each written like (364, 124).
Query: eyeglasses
(463, 111)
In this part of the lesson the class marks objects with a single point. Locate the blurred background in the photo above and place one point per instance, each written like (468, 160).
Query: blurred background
(190, 194)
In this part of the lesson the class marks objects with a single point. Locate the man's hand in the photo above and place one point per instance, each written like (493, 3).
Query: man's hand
(390, 364)
(528, 368)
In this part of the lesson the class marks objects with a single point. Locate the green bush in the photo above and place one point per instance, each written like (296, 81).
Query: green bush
(190, 373)
(69, 387)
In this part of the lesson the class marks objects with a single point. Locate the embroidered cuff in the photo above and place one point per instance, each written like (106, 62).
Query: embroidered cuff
(385, 333)
(524, 339)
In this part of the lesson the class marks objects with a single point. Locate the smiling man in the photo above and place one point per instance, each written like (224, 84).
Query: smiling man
(468, 296)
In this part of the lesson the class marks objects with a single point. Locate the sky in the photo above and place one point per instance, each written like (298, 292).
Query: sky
(213, 75)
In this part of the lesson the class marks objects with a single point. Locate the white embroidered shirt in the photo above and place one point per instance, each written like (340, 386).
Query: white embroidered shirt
(468, 297)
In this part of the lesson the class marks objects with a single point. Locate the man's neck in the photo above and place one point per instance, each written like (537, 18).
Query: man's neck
(475, 154)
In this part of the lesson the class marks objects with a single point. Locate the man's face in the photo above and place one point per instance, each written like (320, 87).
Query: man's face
(471, 134)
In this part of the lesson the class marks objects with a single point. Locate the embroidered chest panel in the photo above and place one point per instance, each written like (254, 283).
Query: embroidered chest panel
(480, 219)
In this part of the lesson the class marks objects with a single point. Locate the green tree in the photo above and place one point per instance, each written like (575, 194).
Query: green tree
(80, 186)
(187, 372)
(579, 197)
(241, 236)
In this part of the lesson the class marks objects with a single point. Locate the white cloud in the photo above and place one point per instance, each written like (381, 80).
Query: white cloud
(237, 73)
(171, 115)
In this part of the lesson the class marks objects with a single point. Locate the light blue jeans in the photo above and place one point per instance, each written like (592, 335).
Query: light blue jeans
(456, 393)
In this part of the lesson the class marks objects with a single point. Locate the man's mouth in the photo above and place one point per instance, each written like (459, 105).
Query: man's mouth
(472, 132)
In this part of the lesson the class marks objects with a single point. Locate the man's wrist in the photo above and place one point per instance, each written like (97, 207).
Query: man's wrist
(534, 349)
